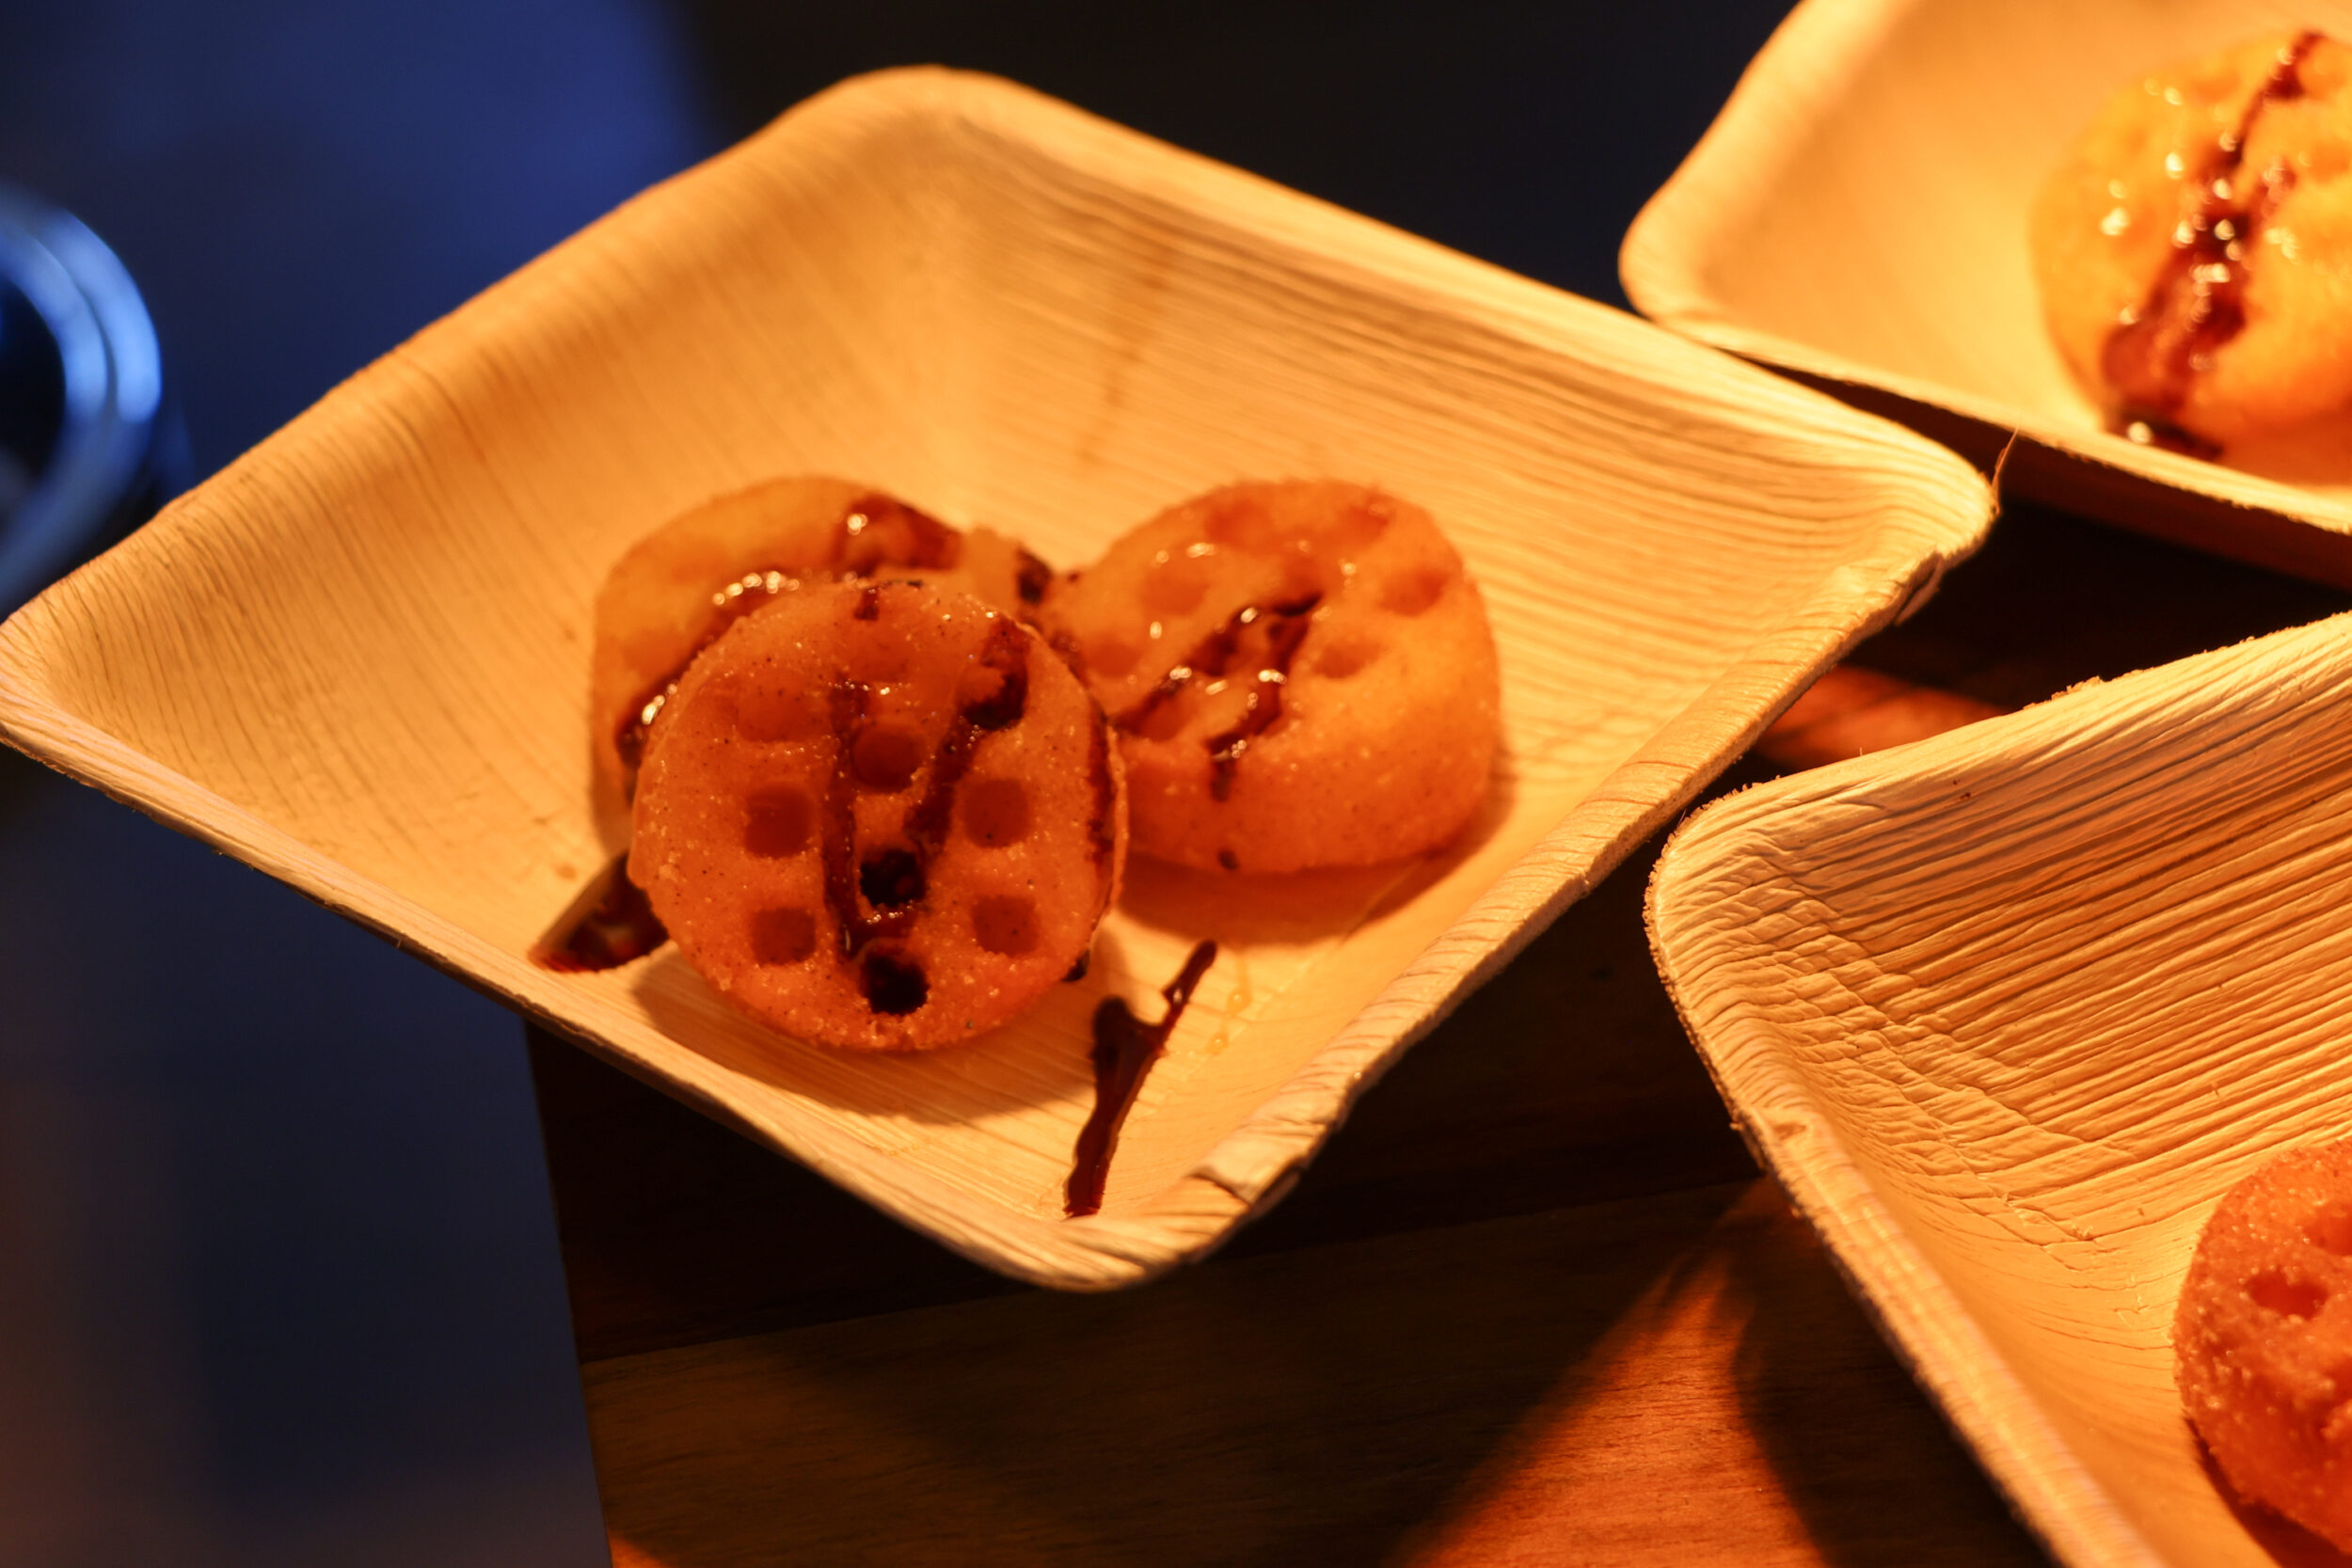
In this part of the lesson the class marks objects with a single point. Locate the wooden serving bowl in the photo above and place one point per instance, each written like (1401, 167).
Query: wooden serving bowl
(359, 658)
(2008, 1011)
(1857, 214)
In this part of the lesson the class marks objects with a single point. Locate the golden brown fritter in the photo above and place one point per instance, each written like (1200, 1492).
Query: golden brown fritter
(681, 586)
(1300, 671)
(2194, 247)
(2263, 1337)
(880, 816)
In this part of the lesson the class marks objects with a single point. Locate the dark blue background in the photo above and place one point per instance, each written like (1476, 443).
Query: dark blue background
(278, 1278)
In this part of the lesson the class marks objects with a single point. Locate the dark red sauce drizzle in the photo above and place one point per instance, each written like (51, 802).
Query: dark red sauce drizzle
(1103, 823)
(1124, 1049)
(1032, 578)
(2197, 302)
(1285, 627)
(1266, 698)
(846, 706)
(876, 532)
(874, 901)
(609, 924)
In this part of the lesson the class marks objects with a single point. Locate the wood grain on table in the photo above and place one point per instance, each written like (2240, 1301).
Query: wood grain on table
(1532, 1306)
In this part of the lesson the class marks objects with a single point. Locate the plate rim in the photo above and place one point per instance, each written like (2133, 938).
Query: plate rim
(1796, 1139)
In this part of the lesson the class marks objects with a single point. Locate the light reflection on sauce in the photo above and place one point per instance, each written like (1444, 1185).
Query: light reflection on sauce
(874, 534)
(1282, 628)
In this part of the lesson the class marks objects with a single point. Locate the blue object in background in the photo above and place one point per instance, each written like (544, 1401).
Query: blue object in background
(88, 446)
(279, 1280)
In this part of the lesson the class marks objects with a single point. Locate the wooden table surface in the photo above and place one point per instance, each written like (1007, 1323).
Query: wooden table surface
(1534, 1305)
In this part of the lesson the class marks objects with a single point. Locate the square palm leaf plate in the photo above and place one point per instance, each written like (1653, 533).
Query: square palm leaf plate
(2008, 1011)
(359, 656)
(1857, 214)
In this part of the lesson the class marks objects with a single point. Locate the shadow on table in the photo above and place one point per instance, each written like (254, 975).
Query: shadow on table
(277, 1283)
(1811, 1362)
(1319, 1405)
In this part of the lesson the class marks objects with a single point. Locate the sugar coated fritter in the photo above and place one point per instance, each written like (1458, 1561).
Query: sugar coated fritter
(880, 816)
(2264, 1338)
(1300, 674)
(2193, 250)
(678, 588)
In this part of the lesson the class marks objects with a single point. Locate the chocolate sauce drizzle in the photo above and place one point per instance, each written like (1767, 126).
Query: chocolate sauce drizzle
(609, 924)
(1124, 1049)
(1266, 698)
(1032, 577)
(2198, 301)
(1103, 823)
(875, 532)
(1286, 627)
(876, 900)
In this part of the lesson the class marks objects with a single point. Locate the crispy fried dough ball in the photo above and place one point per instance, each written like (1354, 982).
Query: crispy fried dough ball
(680, 587)
(2196, 283)
(2264, 1338)
(1300, 672)
(880, 816)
